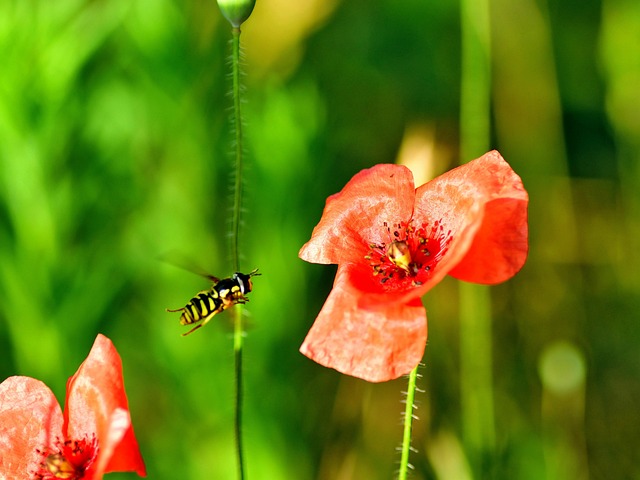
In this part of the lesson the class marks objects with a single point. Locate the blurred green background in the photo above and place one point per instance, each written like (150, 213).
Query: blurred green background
(115, 165)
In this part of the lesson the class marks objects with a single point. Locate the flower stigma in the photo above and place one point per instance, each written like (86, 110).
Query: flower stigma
(399, 254)
(68, 460)
(410, 256)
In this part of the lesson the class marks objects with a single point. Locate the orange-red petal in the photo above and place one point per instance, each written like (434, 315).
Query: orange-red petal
(500, 246)
(376, 344)
(356, 215)
(30, 419)
(484, 204)
(97, 404)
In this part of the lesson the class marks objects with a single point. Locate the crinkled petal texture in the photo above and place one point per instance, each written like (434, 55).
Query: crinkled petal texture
(97, 404)
(30, 419)
(354, 217)
(31, 422)
(376, 344)
(484, 205)
(374, 333)
(499, 245)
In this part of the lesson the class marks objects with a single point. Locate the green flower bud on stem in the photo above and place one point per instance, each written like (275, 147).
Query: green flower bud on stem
(236, 11)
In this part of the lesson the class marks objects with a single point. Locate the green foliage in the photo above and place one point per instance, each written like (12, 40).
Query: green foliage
(115, 154)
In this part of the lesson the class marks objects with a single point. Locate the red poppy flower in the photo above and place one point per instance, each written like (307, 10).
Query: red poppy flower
(94, 436)
(393, 243)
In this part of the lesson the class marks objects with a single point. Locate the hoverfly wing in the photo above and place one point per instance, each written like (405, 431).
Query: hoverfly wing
(181, 261)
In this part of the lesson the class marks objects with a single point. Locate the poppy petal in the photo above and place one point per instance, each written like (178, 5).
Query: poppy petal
(483, 203)
(30, 419)
(500, 246)
(122, 442)
(356, 216)
(95, 401)
(376, 344)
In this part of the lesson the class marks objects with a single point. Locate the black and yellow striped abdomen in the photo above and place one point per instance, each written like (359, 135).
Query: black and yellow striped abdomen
(201, 308)
(205, 304)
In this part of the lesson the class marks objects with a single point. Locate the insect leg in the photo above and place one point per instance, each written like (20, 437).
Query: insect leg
(193, 329)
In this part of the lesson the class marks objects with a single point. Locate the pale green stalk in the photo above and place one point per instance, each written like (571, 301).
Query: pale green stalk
(475, 304)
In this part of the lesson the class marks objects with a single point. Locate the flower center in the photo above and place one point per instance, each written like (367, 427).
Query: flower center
(67, 460)
(410, 256)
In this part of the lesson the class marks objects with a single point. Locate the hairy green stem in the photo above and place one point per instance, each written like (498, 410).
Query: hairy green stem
(237, 119)
(237, 347)
(238, 331)
(408, 423)
(238, 336)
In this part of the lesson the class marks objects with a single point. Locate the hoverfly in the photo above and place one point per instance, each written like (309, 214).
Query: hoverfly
(223, 294)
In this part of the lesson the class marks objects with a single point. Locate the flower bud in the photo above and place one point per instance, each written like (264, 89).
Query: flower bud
(236, 11)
